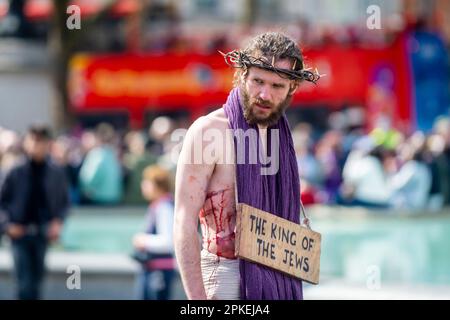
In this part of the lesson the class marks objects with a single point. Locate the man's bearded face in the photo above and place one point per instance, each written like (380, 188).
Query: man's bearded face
(266, 95)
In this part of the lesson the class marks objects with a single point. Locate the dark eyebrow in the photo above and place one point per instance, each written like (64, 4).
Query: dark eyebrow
(279, 85)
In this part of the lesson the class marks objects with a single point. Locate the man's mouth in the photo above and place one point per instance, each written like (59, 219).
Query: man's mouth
(262, 107)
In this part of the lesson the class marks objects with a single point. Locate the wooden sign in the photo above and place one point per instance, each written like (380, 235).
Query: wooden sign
(275, 242)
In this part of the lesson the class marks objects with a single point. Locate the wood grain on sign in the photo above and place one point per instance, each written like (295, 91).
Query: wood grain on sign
(275, 242)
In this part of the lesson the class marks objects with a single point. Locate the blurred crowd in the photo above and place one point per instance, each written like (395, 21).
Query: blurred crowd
(345, 166)
(382, 169)
(104, 166)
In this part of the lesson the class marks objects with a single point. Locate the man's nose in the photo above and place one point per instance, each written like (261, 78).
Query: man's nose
(265, 94)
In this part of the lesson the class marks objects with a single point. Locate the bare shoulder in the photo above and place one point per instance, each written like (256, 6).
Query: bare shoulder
(216, 119)
(218, 116)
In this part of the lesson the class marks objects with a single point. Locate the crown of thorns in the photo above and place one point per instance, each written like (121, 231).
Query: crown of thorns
(239, 59)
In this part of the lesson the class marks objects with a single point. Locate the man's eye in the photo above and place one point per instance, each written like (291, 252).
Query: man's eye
(258, 81)
(278, 86)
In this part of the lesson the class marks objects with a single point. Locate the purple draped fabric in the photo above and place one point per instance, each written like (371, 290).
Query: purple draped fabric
(278, 194)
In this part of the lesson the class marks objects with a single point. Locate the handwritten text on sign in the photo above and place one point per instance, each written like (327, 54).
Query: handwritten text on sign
(278, 243)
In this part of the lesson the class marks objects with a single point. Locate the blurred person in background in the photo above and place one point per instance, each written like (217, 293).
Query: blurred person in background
(439, 168)
(310, 170)
(88, 142)
(410, 186)
(442, 128)
(364, 177)
(34, 198)
(167, 150)
(135, 160)
(61, 155)
(354, 129)
(155, 246)
(11, 151)
(168, 160)
(330, 156)
(101, 174)
(309, 194)
(11, 154)
(159, 132)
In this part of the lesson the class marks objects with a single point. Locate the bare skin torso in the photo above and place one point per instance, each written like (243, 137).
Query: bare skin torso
(205, 193)
(218, 214)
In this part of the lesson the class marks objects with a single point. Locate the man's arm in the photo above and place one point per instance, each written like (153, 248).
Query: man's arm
(12, 229)
(5, 199)
(190, 193)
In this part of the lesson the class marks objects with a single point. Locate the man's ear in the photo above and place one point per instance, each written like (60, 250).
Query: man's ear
(294, 87)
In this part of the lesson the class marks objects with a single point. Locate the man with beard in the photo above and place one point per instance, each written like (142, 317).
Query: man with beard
(269, 71)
